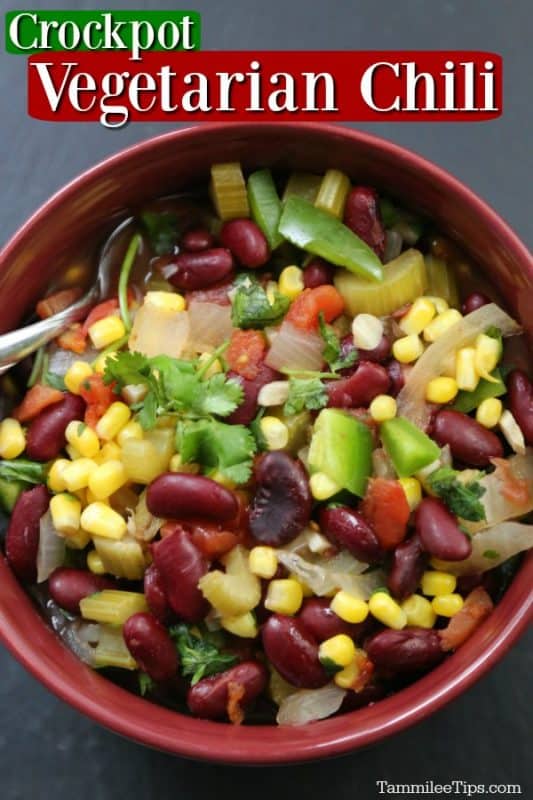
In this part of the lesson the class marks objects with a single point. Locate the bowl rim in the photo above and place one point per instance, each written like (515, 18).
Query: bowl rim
(249, 744)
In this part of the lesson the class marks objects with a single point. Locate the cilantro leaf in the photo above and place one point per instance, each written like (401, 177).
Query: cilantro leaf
(199, 657)
(307, 393)
(255, 428)
(146, 684)
(217, 446)
(219, 395)
(333, 348)
(22, 469)
(461, 498)
(492, 554)
(250, 306)
(162, 230)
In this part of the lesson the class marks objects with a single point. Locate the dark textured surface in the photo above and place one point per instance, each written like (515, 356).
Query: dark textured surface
(48, 750)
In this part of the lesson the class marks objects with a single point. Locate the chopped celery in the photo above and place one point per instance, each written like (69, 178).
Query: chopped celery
(404, 279)
(468, 401)
(123, 558)
(441, 281)
(112, 606)
(318, 232)
(228, 191)
(265, 205)
(111, 650)
(302, 184)
(333, 192)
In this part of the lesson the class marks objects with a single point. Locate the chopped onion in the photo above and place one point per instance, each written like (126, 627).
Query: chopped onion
(51, 550)
(498, 507)
(492, 547)
(296, 349)
(382, 465)
(308, 705)
(142, 524)
(157, 331)
(341, 572)
(411, 400)
(210, 325)
(60, 360)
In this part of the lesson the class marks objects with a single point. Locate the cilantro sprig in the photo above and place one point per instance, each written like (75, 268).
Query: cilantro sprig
(332, 351)
(219, 447)
(461, 498)
(251, 307)
(22, 469)
(199, 656)
(305, 393)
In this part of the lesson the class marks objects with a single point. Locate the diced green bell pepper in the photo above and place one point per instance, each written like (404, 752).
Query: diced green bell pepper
(9, 493)
(265, 205)
(341, 448)
(409, 448)
(320, 233)
(467, 401)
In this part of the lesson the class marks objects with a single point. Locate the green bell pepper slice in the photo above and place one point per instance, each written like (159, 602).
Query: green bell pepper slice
(318, 232)
(467, 401)
(341, 448)
(265, 205)
(409, 448)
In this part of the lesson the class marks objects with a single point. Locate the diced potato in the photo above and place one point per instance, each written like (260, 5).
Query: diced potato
(145, 459)
(237, 590)
(124, 559)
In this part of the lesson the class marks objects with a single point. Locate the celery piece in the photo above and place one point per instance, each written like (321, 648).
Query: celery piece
(111, 650)
(468, 401)
(123, 558)
(228, 191)
(441, 281)
(316, 231)
(112, 606)
(333, 192)
(302, 184)
(265, 205)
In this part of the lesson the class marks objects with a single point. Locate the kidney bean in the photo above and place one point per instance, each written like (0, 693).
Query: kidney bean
(197, 239)
(293, 652)
(209, 697)
(322, 623)
(439, 533)
(473, 302)
(520, 398)
(151, 646)
(67, 586)
(469, 441)
(247, 410)
(174, 495)
(408, 564)
(360, 388)
(217, 293)
(317, 273)
(370, 694)
(408, 650)
(281, 505)
(362, 215)
(181, 565)
(154, 592)
(198, 270)
(396, 373)
(22, 537)
(46, 434)
(465, 583)
(380, 353)
(246, 242)
(348, 529)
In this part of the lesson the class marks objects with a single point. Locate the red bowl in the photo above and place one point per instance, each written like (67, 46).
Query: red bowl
(78, 216)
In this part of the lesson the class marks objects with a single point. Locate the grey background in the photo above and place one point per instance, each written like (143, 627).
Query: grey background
(48, 750)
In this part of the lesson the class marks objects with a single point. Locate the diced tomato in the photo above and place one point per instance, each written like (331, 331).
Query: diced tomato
(101, 311)
(462, 625)
(246, 353)
(514, 489)
(73, 339)
(305, 309)
(236, 692)
(57, 302)
(366, 670)
(211, 540)
(385, 507)
(35, 400)
(98, 397)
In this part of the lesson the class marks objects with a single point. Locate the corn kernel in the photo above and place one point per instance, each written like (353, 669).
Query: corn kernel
(91, 498)
(346, 677)
(441, 324)
(273, 394)
(73, 454)
(440, 303)
(339, 649)
(123, 558)
(412, 490)
(113, 420)
(466, 374)
(215, 366)
(177, 465)
(271, 289)
(306, 590)
(419, 315)
(387, 610)
(12, 438)
(512, 432)
(112, 606)
(348, 607)
(110, 452)
(106, 331)
(76, 475)
(275, 432)
(407, 349)
(76, 374)
(78, 540)
(382, 407)
(243, 625)
(131, 430)
(441, 390)
(489, 411)
(95, 563)
(291, 282)
(487, 354)
(419, 611)
(263, 561)
(99, 364)
(322, 487)
(65, 510)
(83, 438)
(55, 480)
(367, 331)
(436, 583)
(284, 596)
(100, 520)
(447, 605)
(107, 479)
(165, 301)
